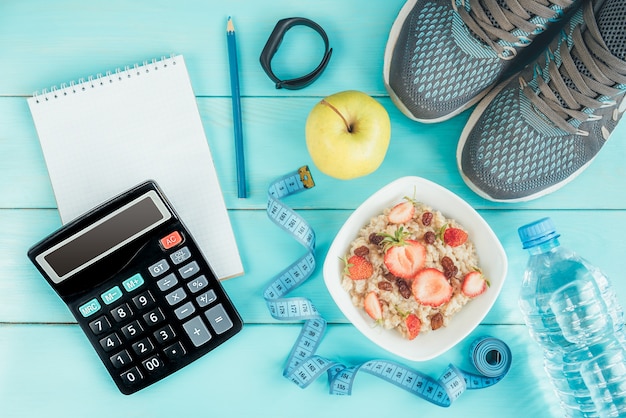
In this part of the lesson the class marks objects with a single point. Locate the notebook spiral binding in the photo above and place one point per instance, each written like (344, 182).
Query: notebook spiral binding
(110, 77)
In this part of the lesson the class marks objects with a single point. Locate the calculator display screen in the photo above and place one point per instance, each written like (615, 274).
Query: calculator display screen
(104, 236)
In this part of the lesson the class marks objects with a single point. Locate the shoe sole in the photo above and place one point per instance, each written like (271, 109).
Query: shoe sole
(396, 28)
(476, 114)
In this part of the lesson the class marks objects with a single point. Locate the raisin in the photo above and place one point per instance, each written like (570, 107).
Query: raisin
(405, 291)
(430, 237)
(362, 251)
(447, 263)
(451, 272)
(449, 269)
(436, 321)
(427, 218)
(389, 276)
(403, 288)
(375, 238)
(385, 286)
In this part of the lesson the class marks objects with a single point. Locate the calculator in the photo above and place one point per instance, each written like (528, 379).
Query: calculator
(139, 287)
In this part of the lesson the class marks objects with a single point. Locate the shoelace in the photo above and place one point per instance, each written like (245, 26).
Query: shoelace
(567, 105)
(510, 18)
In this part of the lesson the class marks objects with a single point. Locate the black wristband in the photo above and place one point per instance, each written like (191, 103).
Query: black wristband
(273, 43)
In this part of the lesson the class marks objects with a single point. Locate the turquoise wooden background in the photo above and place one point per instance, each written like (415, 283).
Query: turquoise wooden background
(47, 368)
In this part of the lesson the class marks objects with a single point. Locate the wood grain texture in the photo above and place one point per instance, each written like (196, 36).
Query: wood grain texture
(244, 379)
(266, 250)
(274, 143)
(46, 365)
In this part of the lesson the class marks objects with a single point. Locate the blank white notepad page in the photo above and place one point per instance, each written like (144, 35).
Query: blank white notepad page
(109, 133)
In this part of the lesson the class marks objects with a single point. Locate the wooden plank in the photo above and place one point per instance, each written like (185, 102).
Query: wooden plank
(266, 250)
(275, 144)
(46, 40)
(48, 368)
(52, 371)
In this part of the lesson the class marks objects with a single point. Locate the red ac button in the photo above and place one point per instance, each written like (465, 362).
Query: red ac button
(171, 240)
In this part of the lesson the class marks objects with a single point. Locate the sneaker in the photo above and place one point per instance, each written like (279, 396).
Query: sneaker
(442, 56)
(535, 133)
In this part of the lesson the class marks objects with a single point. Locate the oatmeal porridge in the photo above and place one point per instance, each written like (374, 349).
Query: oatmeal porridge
(412, 269)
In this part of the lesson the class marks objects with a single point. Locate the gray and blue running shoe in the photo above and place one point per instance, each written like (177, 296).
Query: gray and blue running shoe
(535, 133)
(443, 56)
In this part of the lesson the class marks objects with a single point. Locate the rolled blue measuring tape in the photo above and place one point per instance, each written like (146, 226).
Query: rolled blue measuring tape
(490, 356)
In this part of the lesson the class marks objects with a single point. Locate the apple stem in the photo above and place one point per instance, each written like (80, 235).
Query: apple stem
(348, 126)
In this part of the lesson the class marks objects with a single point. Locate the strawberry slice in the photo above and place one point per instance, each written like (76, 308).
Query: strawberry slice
(474, 284)
(401, 213)
(372, 306)
(413, 325)
(430, 287)
(405, 260)
(454, 236)
(403, 257)
(358, 268)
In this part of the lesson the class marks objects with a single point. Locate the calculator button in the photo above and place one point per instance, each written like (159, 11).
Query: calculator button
(180, 255)
(132, 377)
(133, 282)
(89, 308)
(111, 295)
(100, 325)
(143, 300)
(158, 268)
(167, 282)
(219, 319)
(189, 270)
(154, 317)
(171, 241)
(206, 298)
(197, 331)
(132, 330)
(175, 351)
(120, 359)
(143, 346)
(176, 296)
(164, 335)
(184, 311)
(121, 313)
(153, 364)
(198, 284)
(110, 342)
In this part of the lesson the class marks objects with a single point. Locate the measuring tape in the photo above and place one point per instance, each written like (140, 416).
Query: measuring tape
(490, 356)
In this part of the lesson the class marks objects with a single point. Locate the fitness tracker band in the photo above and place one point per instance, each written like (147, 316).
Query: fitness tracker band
(273, 43)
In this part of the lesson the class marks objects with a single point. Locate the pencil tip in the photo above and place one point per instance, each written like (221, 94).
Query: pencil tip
(229, 26)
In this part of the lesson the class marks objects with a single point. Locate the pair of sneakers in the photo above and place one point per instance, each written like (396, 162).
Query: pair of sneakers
(549, 77)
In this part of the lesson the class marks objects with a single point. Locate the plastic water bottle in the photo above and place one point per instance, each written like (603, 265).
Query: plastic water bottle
(572, 312)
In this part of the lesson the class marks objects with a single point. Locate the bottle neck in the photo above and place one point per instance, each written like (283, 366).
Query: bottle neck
(544, 247)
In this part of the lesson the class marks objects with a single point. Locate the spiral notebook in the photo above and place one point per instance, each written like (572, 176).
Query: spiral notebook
(108, 133)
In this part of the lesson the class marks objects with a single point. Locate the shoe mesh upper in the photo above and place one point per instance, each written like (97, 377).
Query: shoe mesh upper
(516, 152)
(439, 66)
(611, 23)
(509, 156)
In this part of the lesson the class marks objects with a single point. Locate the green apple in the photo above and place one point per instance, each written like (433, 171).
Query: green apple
(347, 134)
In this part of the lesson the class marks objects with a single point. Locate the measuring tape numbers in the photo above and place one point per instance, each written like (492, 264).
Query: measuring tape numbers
(490, 356)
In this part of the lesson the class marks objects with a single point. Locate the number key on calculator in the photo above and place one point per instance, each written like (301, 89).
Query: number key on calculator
(138, 285)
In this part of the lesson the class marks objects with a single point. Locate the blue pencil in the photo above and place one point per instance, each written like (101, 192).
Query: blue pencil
(234, 86)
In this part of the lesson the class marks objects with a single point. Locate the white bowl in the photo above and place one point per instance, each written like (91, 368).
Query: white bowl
(491, 256)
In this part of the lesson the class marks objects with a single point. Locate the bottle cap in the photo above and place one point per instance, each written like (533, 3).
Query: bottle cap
(537, 233)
